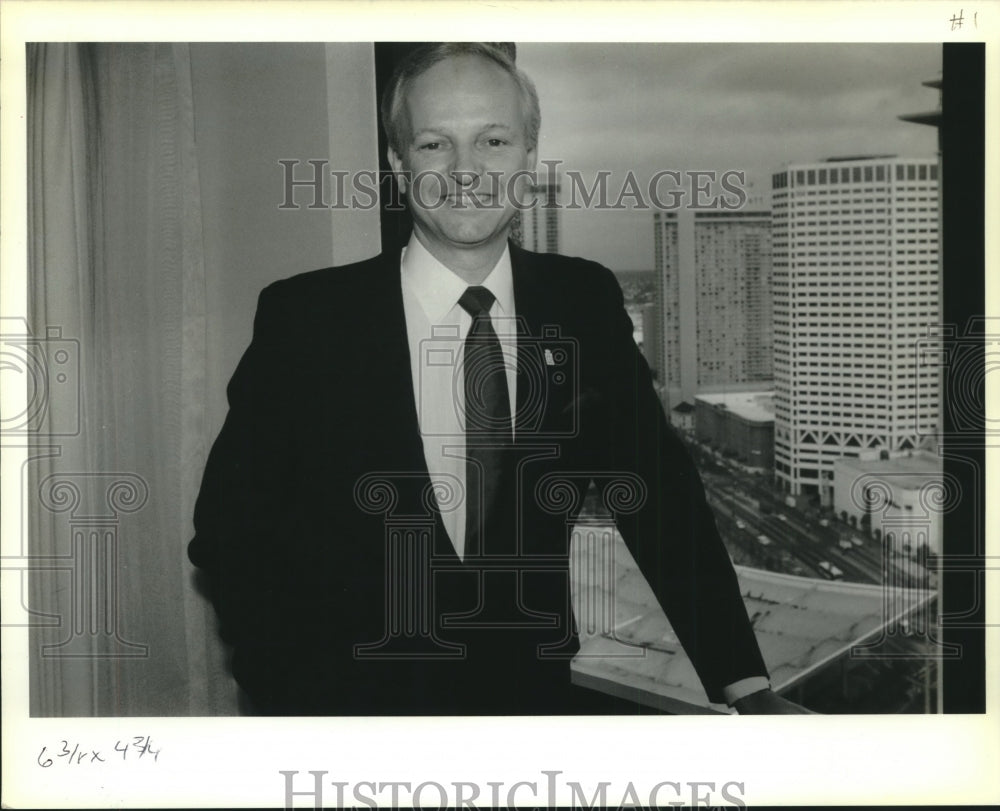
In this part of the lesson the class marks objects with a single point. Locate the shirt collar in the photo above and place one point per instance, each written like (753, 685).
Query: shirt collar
(438, 289)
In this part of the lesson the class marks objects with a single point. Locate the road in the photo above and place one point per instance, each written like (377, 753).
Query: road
(747, 506)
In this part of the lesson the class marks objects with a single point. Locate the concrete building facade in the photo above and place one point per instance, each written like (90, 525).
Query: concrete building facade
(856, 309)
(540, 222)
(740, 423)
(713, 272)
(900, 496)
(652, 341)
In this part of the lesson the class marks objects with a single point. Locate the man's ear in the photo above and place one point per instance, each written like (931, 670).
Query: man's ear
(396, 163)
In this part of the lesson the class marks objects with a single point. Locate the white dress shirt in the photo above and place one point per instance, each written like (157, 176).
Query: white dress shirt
(436, 327)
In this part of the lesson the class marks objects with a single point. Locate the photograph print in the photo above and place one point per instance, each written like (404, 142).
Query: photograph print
(453, 378)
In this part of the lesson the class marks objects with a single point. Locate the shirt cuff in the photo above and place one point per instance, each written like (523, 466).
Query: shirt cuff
(744, 687)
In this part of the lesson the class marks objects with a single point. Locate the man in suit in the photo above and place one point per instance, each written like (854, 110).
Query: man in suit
(383, 520)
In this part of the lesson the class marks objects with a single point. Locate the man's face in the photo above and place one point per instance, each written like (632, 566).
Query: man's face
(466, 142)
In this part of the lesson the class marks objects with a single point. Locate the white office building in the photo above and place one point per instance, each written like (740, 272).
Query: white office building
(856, 313)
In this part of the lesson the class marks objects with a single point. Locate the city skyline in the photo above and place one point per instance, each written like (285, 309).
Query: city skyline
(746, 107)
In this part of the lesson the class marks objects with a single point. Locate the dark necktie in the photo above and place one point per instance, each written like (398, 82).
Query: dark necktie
(488, 432)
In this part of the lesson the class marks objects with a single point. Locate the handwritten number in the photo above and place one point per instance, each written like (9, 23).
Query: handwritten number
(141, 743)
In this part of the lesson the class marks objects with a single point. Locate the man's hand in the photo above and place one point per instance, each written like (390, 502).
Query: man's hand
(768, 702)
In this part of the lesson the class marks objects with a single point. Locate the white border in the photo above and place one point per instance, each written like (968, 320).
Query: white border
(235, 761)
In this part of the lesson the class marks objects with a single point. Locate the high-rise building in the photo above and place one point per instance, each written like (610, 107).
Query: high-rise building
(713, 272)
(856, 301)
(651, 341)
(667, 266)
(539, 227)
(732, 257)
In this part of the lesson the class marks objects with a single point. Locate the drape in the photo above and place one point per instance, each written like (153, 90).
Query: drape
(117, 283)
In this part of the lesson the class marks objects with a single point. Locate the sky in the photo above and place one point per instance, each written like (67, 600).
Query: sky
(753, 107)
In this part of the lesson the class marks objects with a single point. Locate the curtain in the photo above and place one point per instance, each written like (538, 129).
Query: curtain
(117, 289)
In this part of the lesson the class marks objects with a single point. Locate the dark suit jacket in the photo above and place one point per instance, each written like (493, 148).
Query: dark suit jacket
(327, 561)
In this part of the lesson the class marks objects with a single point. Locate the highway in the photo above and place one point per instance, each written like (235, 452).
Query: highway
(747, 506)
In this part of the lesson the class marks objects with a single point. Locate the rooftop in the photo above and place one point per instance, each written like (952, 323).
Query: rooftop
(802, 625)
(846, 158)
(756, 406)
(915, 463)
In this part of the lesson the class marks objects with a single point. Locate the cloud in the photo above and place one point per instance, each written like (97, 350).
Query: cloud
(644, 106)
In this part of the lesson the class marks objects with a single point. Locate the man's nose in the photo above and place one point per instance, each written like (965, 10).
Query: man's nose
(465, 170)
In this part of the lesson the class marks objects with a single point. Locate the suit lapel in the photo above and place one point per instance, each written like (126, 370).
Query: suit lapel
(389, 376)
(545, 377)
(392, 396)
(389, 379)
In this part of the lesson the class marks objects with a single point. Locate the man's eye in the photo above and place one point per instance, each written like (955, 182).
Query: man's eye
(496, 142)
(430, 146)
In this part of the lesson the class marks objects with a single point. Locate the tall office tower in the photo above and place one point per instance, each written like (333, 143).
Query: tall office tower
(732, 256)
(540, 222)
(666, 263)
(713, 272)
(652, 343)
(856, 309)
